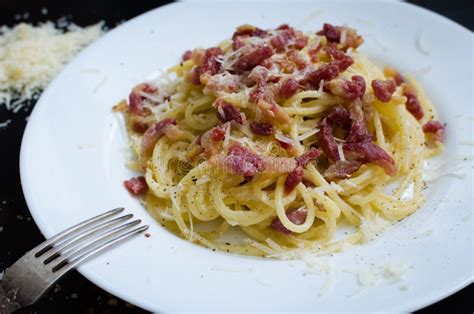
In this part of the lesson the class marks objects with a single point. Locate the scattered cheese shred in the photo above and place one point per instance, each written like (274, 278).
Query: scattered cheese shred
(31, 56)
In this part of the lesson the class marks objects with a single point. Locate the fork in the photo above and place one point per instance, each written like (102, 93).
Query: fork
(29, 278)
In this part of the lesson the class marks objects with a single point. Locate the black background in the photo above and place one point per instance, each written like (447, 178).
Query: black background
(76, 294)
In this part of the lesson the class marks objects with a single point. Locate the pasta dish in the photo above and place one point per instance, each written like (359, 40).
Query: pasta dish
(274, 140)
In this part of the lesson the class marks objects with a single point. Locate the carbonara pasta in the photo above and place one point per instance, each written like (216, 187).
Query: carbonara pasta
(269, 142)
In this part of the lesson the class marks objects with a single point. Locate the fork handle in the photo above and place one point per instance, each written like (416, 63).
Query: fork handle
(6, 306)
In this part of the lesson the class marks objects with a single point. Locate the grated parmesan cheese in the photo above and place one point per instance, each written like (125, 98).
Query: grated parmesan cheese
(30, 57)
(373, 227)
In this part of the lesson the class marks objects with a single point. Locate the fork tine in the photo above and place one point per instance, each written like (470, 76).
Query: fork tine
(98, 249)
(92, 243)
(78, 238)
(45, 246)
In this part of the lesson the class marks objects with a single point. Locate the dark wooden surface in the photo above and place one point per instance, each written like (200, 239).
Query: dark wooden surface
(18, 233)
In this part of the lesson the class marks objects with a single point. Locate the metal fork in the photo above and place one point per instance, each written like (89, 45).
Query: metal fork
(29, 278)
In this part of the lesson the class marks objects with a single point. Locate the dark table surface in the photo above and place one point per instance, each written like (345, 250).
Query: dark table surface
(18, 232)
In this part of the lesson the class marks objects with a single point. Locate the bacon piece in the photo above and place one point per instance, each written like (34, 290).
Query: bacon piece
(136, 185)
(135, 100)
(195, 79)
(237, 43)
(332, 33)
(239, 160)
(436, 128)
(294, 178)
(288, 88)
(307, 157)
(249, 30)
(295, 57)
(344, 63)
(210, 63)
(338, 116)
(352, 39)
(358, 131)
(367, 152)
(209, 141)
(332, 51)
(227, 112)
(350, 90)
(297, 216)
(342, 169)
(280, 41)
(187, 55)
(257, 93)
(154, 133)
(139, 126)
(384, 90)
(283, 26)
(301, 42)
(326, 72)
(413, 104)
(248, 61)
(262, 128)
(392, 73)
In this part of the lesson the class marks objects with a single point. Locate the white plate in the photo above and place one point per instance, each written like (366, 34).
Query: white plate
(73, 165)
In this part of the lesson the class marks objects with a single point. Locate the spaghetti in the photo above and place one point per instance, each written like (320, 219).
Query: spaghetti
(267, 143)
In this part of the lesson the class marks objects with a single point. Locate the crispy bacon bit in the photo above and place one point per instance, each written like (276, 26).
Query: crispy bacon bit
(413, 104)
(209, 141)
(210, 63)
(332, 33)
(350, 90)
(307, 157)
(154, 133)
(120, 107)
(248, 61)
(218, 133)
(342, 169)
(262, 128)
(239, 160)
(227, 112)
(344, 63)
(313, 52)
(187, 55)
(288, 88)
(301, 42)
(352, 39)
(257, 93)
(367, 152)
(283, 26)
(196, 76)
(392, 73)
(294, 178)
(136, 100)
(295, 57)
(136, 185)
(297, 216)
(249, 30)
(332, 51)
(338, 116)
(436, 128)
(280, 41)
(326, 72)
(139, 126)
(358, 131)
(384, 90)
(267, 63)
(237, 43)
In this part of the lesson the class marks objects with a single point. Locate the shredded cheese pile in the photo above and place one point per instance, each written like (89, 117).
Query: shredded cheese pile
(31, 56)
